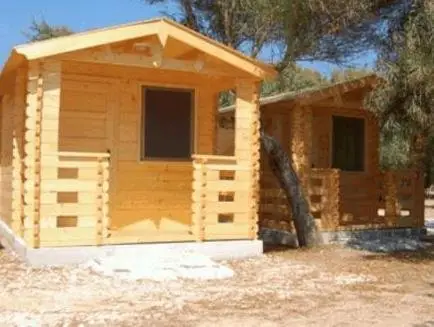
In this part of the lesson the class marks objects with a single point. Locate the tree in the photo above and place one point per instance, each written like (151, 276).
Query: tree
(39, 31)
(342, 75)
(293, 78)
(330, 30)
(406, 99)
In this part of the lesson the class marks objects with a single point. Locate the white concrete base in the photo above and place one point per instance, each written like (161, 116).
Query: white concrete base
(60, 256)
(219, 250)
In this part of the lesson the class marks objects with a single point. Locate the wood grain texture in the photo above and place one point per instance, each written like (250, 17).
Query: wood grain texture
(339, 200)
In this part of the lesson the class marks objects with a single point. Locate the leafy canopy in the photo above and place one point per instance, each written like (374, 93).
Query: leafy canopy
(39, 31)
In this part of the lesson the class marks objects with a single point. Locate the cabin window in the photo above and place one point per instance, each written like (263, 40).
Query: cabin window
(167, 123)
(348, 143)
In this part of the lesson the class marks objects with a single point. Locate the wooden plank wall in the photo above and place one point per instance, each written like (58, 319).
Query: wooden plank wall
(100, 110)
(350, 209)
(12, 152)
(6, 158)
(357, 190)
(18, 152)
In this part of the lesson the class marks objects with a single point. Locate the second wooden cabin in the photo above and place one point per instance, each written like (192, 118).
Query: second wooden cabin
(334, 143)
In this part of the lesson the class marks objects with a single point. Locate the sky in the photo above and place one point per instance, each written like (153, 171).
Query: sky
(16, 17)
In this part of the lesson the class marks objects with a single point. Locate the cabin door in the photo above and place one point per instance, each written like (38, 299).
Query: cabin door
(151, 168)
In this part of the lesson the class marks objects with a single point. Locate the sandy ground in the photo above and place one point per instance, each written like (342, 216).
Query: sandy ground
(331, 286)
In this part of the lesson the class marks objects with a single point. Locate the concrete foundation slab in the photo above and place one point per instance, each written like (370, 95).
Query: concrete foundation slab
(60, 256)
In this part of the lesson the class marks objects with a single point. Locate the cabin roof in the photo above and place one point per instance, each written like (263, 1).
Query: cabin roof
(313, 94)
(163, 28)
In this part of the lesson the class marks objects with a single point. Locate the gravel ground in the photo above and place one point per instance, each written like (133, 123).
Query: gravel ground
(331, 286)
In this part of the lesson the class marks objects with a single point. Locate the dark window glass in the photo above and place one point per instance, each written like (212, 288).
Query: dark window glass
(348, 143)
(167, 123)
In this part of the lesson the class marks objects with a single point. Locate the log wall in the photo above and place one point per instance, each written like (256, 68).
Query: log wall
(12, 152)
(338, 199)
(101, 110)
(6, 158)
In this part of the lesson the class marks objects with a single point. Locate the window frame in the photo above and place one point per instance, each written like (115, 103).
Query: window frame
(142, 119)
(365, 142)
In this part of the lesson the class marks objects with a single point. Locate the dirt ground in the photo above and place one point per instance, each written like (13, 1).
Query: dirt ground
(329, 286)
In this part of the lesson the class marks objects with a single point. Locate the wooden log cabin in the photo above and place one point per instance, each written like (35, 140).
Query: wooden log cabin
(109, 137)
(334, 144)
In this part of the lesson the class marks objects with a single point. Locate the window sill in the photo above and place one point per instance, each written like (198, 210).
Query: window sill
(165, 160)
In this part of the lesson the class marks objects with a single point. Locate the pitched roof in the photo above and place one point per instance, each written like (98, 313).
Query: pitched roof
(160, 26)
(313, 94)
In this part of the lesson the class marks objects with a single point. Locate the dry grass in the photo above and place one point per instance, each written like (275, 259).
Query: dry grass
(331, 286)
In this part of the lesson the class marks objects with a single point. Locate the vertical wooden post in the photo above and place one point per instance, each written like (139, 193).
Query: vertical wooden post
(100, 202)
(33, 151)
(333, 208)
(418, 208)
(199, 199)
(202, 218)
(106, 196)
(391, 201)
(43, 104)
(247, 144)
(18, 152)
(6, 155)
(120, 91)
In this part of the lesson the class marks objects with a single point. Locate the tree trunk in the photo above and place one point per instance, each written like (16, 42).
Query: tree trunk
(281, 165)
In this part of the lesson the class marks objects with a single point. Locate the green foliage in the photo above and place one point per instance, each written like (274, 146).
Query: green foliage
(406, 98)
(39, 31)
(394, 148)
(342, 75)
(294, 78)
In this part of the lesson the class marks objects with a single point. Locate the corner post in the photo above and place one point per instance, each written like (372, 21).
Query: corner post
(41, 136)
(18, 152)
(247, 145)
(391, 203)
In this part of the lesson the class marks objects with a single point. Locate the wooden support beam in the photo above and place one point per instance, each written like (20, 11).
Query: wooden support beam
(100, 203)
(199, 200)
(43, 102)
(391, 199)
(33, 153)
(247, 144)
(18, 152)
(157, 60)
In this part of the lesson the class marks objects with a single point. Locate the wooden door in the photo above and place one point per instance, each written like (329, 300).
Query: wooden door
(150, 200)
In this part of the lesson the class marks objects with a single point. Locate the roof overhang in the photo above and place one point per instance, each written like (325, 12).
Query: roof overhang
(163, 28)
(312, 95)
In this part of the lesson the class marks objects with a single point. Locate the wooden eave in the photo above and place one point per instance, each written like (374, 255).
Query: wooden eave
(312, 95)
